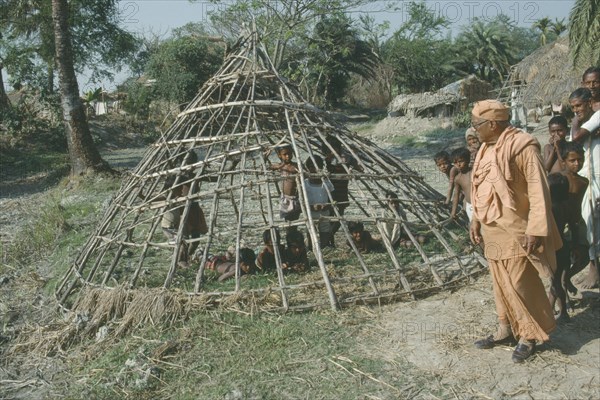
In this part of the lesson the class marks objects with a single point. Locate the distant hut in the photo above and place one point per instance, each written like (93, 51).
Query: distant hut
(443, 103)
(547, 76)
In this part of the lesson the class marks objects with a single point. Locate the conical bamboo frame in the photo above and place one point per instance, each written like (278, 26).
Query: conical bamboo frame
(232, 127)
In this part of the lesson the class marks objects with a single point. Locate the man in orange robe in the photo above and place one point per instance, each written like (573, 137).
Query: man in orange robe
(512, 217)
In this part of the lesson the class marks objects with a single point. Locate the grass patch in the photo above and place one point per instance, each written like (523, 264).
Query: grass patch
(39, 234)
(228, 355)
(14, 162)
(57, 224)
(407, 141)
(444, 134)
(364, 127)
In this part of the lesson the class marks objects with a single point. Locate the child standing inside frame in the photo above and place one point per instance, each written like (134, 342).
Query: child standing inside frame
(290, 206)
(318, 199)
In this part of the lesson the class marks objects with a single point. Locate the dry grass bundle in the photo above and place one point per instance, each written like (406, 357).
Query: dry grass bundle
(153, 307)
(101, 306)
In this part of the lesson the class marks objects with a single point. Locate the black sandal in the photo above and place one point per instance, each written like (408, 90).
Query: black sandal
(489, 342)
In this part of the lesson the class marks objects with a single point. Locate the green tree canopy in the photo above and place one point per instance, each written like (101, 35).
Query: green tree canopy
(487, 48)
(181, 64)
(526, 38)
(421, 57)
(559, 26)
(584, 31)
(422, 23)
(543, 25)
(99, 43)
(336, 51)
(284, 23)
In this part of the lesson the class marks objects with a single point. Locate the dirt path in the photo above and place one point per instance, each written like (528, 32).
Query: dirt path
(436, 336)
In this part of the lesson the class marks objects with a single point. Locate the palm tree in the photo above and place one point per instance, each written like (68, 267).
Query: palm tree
(584, 31)
(487, 48)
(82, 150)
(543, 24)
(336, 51)
(558, 27)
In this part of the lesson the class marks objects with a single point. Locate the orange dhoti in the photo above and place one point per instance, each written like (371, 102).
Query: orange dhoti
(521, 300)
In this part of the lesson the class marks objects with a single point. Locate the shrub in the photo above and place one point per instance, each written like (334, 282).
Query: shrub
(462, 119)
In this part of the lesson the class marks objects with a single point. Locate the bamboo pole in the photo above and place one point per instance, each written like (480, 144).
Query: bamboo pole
(311, 223)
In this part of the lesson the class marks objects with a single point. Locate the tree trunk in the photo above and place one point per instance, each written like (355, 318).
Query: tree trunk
(50, 87)
(4, 102)
(82, 151)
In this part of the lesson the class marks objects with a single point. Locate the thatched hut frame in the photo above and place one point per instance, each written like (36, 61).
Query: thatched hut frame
(222, 150)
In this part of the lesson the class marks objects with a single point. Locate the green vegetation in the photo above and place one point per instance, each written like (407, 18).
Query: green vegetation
(435, 136)
(335, 52)
(419, 48)
(444, 134)
(180, 65)
(364, 127)
(27, 46)
(57, 225)
(27, 163)
(584, 32)
(333, 57)
(229, 355)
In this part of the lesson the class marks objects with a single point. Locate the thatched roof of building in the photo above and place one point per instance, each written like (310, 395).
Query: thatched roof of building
(548, 74)
(468, 89)
(420, 101)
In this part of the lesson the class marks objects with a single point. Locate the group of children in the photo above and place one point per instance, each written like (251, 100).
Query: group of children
(293, 256)
(563, 160)
(457, 166)
(319, 192)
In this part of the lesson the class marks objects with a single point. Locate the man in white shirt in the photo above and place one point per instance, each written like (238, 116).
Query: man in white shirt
(588, 135)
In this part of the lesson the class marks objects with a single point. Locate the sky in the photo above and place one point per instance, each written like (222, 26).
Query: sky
(161, 16)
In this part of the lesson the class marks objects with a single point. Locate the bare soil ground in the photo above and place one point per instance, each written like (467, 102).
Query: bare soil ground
(436, 336)
(433, 335)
